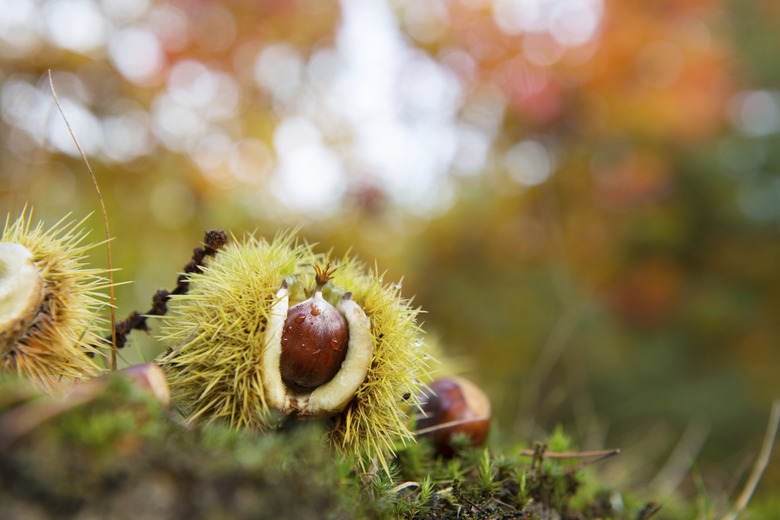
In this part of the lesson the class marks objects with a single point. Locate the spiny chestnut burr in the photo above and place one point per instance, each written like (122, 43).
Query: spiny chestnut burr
(224, 361)
(453, 405)
(314, 339)
(49, 307)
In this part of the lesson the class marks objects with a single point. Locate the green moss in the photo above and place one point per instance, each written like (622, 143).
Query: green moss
(479, 483)
(121, 455)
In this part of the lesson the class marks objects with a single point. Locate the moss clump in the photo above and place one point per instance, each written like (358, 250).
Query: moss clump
(478, 484)
(121, 455)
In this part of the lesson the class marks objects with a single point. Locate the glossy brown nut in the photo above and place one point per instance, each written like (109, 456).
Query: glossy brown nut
(460, 402)
(314, 343)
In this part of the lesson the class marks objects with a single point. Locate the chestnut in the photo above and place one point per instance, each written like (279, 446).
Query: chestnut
(315, 355)
(314, 343)
(453, 405)
(150, 377)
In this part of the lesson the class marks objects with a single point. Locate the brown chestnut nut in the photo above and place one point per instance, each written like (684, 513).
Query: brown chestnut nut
(314, 343)
(453, 405)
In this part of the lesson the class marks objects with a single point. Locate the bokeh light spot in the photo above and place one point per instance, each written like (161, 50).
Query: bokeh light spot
(137, 55)
(426, 21)
(570, 22)
(755, 112)
(19, 24)
(85, 126)
(251, 161)
(460, 62)
(211, 155)
(310, 180)
(529, 163)
(179, 127)
(77, 25)
(472, 150)
(125, 10)
(171, 27)
(574, 22)
(518, 16)
(127, 136)
(214, 94)
(191, 83)
(760, 199)
(293, 133)
(542, 49)
(278, 69)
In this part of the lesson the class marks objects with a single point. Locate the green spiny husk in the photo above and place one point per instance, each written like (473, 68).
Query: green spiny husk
(216, 332)
(376, 420)
(57, 346)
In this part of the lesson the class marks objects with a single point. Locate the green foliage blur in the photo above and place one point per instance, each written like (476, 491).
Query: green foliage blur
(583, 197)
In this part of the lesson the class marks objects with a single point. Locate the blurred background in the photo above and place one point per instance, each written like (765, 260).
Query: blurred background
(583, 195)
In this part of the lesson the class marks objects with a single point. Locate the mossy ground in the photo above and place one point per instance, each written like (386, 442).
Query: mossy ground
(121, 455)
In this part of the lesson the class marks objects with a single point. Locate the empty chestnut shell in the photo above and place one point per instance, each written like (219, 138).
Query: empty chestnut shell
(453, 405)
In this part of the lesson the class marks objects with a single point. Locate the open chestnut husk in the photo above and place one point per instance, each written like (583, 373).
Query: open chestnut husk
(453, 405)
(316, 355)
(226, 336)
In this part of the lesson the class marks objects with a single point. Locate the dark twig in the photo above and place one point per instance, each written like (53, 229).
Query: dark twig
(607, 454)
(460, 496)
(648, 511)
(213, 242)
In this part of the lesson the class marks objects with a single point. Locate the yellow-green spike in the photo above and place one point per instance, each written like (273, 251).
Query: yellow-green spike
(217, 333)
(56, 345)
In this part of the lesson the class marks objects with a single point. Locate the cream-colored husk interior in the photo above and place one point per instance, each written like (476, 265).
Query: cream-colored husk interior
(330, 398)
(21, 291)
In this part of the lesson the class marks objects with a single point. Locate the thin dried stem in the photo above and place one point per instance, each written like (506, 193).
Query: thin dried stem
(105, 223)
(405, 485)
(761, 463)
(682, 458)
(607, 454)
(444, 426)
(573, 454)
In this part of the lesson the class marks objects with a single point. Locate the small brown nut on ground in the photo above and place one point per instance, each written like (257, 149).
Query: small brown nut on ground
(453, 405)
(150, 377)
